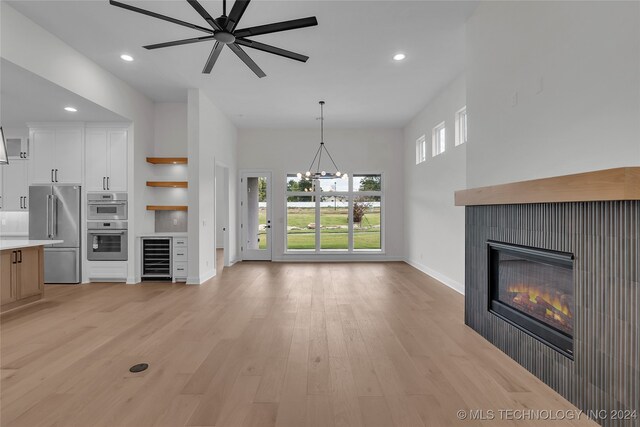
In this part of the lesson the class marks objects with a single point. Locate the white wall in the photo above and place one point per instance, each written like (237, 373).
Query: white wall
(31, 47)
(434, 227)
(575, 68)
(170, 140)
(354, 150)
(212, 138)
(170, 129)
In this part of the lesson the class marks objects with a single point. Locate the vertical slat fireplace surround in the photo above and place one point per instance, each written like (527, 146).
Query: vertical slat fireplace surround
(603, 234)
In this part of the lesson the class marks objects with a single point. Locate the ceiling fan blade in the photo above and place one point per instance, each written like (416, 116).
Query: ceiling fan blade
(277, 27)
(272, 49)
(213, 57)
(203, 12)
(236, 13)
(245, 58)
(159, 16)
(178, 42)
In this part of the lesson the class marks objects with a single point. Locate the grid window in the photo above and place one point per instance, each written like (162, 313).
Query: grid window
(421, 149)
(334, 214)
(461, 126)
(439, 139)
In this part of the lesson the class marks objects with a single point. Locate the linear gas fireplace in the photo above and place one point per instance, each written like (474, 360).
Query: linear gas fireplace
(533, 289)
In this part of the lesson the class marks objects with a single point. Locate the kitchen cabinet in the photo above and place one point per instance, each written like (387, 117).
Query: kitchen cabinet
(15, 186)
(17, 148)
(7, 274)
(21, 276)
(106, 159)
(180, 259)
(56, 155)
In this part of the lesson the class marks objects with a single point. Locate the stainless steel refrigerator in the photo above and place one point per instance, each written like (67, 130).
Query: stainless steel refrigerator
(54, 214)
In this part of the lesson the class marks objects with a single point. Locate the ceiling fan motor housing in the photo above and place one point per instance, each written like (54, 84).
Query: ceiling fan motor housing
(224, 37)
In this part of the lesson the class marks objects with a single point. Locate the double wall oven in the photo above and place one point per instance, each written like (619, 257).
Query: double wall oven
(107, 234)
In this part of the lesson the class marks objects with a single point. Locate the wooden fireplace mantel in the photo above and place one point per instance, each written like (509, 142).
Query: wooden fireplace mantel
(608, 184)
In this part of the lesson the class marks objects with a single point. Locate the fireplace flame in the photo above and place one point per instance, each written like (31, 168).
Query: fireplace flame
(534, 292)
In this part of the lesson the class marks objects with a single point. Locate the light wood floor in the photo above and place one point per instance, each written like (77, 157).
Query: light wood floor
(262, 344)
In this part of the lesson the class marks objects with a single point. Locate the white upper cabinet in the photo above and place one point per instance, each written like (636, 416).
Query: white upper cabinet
(96, 159)
(43, 143)
(68, 156)
(117, 161)
(106, 159)
(15, 186)
(56, 155)
(17, 147)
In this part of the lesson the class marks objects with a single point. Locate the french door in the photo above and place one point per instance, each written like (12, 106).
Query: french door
(256, 216)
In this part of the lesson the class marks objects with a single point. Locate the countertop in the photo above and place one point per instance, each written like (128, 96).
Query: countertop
(19, 244)
(6, 235)
(182, 234)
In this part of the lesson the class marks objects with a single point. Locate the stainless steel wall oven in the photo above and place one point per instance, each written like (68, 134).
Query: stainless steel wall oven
(107, 206)
(107, 241)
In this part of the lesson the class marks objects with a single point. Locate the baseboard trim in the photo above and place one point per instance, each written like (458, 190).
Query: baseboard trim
(329, 258)
(201, 279)
(445, 280)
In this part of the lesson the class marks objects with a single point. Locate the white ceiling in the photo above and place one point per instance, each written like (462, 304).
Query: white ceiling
(350, 51)
(26, 97)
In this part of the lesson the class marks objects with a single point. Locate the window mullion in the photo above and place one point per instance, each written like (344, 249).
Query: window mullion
(317, 193)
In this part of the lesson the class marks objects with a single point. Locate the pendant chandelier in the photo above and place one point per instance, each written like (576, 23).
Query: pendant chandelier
(310, 174)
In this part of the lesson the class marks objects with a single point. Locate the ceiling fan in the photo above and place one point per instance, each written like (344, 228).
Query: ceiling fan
(223, 31)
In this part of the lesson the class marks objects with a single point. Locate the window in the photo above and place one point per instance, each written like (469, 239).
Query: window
(461, 126)
(439, 143)
(421, 149)
(342, 215)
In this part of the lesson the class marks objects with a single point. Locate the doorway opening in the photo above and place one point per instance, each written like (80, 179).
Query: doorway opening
(222, 206)
(256, 216)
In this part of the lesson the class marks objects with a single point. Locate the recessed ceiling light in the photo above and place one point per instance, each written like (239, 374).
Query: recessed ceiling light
(399, 56)
(126, 57)
(71, 109)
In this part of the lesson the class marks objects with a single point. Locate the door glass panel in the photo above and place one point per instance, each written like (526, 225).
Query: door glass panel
(107, 209)
(334, 222)
(366, 223)
(257, 232)
(107, 243)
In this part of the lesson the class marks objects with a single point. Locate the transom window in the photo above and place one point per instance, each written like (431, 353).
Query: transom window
(439, 139)
(421, 149)
(461, 126)
(343, 215)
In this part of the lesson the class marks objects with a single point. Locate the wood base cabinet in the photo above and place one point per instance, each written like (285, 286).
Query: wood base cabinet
(21, 276)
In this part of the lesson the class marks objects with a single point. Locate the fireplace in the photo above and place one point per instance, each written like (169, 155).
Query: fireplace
(533, 290)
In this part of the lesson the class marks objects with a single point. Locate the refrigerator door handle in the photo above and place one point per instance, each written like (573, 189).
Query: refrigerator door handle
(54, 216)
(48, 216)
(52, 176)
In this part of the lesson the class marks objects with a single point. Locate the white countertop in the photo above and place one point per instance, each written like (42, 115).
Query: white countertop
(18, 244)
(5, 235)
(182, 234)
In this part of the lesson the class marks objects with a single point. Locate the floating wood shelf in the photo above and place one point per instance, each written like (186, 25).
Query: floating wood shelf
(168, 184)
(166, 208)
(167, 160)
(609, 184)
